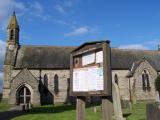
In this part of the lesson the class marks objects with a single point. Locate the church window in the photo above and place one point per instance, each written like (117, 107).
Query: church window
(116, 79)
(145, 81)
(68, 84)
(12, 35)
(56, 84)
(45, 84)
(45, 81)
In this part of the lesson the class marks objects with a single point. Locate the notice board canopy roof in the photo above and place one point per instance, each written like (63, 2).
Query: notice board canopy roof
(90, 43)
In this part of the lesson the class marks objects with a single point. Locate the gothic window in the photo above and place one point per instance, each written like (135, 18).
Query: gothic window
(145, 81)
(24, 95)
(56, 84)
(45, 84)
(45, 81)
(12, 35)
(68, 84)
(116, 79)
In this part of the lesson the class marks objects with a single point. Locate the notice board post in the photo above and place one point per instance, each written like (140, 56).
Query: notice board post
(90, 72)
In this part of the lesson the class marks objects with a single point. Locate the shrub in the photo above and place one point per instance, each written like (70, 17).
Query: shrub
(0, 97)
(157, 83)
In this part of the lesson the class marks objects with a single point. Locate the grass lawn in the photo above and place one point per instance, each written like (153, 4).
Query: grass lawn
(58, 113)
(138, 112)
(4, 107)
(66, 112)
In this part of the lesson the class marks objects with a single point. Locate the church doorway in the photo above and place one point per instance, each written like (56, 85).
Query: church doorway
(24, 95)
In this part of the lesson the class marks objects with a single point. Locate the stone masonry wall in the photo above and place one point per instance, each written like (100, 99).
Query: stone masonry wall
(63, 76)
(123, 83)
(139, 93)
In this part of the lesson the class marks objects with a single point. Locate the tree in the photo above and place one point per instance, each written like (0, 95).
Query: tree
(157, 83)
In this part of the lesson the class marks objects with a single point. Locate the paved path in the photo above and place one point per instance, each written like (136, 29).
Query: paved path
(13, 112)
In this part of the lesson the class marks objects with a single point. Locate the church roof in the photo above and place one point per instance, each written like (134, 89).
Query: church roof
(53, 57)
(43, 57)
(13, 24)
(124, 59)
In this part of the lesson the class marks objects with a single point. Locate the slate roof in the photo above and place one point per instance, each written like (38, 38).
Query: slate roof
(124, 59)
(44, 57)
(53, 57)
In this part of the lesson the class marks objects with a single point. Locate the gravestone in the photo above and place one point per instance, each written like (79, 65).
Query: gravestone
(157, 97)
(116, 103)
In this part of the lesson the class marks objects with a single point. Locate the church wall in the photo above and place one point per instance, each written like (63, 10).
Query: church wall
(14, 73)
(24, 78)
(6, 82)
(138, 91)
(63, 76)
(123, 83)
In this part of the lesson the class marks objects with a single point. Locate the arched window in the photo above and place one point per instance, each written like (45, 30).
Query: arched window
(12, 35)
(56, 84)
(116, 79)
(45, 81)
(145, 80)
(24, 95)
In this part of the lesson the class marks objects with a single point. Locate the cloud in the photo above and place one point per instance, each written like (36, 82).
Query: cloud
(36, 6)
(60, 9)
(6, 8)
(153, 42)
(19, 5)
(2, 53)
(2, 49)
(68, 3)
(133, 46)
(1, 81)
(78, 31)
(65, 6)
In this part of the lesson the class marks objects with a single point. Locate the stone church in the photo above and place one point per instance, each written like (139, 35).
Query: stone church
(41, 75)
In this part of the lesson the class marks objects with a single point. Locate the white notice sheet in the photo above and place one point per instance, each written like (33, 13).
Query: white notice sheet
(88, 59)
(88, 79)
(99, 57)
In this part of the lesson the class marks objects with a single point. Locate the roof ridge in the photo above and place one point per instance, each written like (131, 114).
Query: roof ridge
(46, 46)
(123, 49)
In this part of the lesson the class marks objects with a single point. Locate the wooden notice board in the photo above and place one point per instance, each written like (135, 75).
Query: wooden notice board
(90, 70)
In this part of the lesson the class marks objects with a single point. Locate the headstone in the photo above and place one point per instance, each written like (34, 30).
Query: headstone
(116, 102)
(94, 109)
(157, 97)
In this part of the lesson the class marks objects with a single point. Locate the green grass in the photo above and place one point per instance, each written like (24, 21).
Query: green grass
(58, 113)
(138, 112)
(68, 112)
(4, 106)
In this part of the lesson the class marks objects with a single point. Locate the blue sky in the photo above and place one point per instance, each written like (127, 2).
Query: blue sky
(71, 22)
(132, 24)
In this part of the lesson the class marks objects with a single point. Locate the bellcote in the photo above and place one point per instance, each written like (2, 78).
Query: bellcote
(13, 31)
(13, 24)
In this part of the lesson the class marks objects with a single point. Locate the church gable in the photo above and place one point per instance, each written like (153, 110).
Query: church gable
(144, 64)
(144, 81)
(140, 65)
(24, 80)
(24, 76)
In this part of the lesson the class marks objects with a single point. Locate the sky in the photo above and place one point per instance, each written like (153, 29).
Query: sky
(128, 24)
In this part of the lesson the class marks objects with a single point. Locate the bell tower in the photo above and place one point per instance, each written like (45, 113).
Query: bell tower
(13, 32)
(11, 51)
